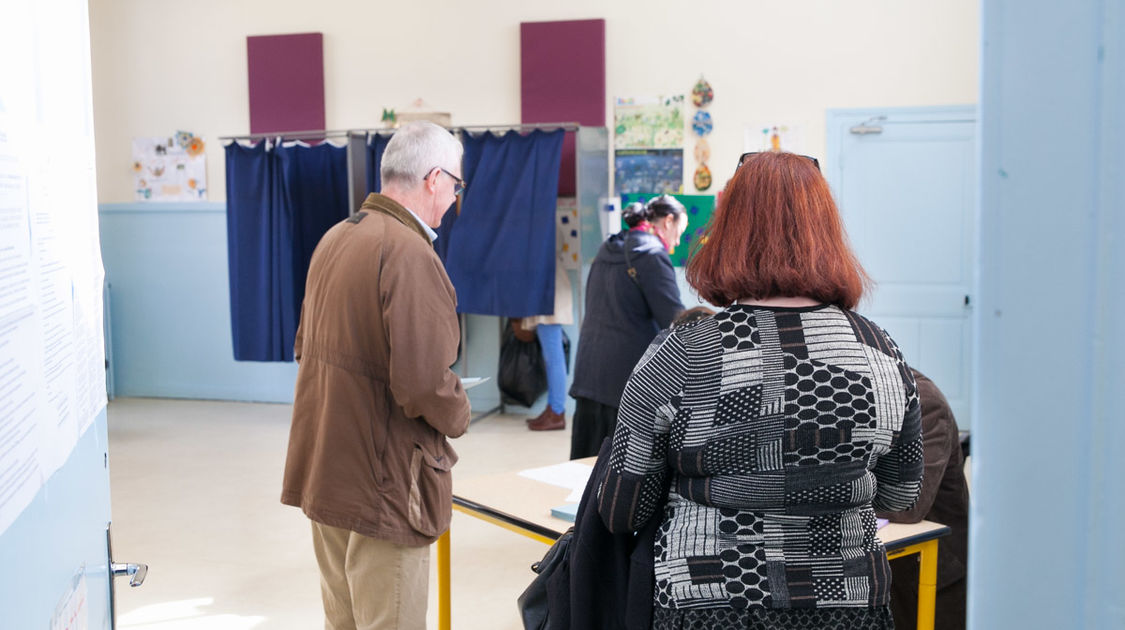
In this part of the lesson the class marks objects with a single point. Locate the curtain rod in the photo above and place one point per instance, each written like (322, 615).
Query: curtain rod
(291, 135)
(336, 133)
(332, 133)
(565, 126)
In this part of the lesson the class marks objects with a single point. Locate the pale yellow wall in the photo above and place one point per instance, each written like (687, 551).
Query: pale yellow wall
(164, 65)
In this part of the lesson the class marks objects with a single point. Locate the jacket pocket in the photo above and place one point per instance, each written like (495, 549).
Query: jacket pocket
(431, 492)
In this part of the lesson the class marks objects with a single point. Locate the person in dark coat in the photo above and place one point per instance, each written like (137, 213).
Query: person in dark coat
(631, 295)
(944, 499)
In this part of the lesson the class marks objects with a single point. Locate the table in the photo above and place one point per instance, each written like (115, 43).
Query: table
(524, 505)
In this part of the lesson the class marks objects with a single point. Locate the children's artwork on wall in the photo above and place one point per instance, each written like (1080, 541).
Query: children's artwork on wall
(171, 168)
(652, 171)
(702, 94)
(566, 214)
(699, 211)
(655, 123)
(702, 177)
(702, 151)
(774, 137)
(701, 123)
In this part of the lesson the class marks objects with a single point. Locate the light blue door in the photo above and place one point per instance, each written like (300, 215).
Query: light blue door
(905, 181)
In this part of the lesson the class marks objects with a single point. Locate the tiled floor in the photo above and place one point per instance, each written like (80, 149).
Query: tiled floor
(195, 487)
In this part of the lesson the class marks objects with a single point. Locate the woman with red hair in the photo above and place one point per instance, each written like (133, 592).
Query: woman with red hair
(765, 436)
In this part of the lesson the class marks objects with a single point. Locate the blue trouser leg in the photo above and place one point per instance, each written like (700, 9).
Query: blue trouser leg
(550, 339)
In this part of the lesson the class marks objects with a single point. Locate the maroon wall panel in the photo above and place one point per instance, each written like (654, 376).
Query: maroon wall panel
(286, 82)
(562, 79)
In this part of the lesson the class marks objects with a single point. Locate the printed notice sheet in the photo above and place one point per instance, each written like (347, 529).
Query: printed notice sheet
(52, 356)
(20, 358)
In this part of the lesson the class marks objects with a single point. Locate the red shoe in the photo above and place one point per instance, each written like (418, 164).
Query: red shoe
(548, 421)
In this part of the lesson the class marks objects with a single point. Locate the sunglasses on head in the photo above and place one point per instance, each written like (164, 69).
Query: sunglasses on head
(744, 156)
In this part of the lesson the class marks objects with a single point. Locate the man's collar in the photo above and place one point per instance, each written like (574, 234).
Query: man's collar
(429, 231)
(390, 207)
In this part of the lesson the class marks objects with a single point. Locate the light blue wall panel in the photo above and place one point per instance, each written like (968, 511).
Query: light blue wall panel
(1048, 495)
(166, 264)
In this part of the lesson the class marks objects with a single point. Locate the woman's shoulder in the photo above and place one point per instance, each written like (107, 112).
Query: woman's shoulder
(871, 333)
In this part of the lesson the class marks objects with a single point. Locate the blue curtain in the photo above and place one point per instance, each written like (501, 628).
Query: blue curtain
(316, 188)
(500, 253)
(376, 144)
(280, 201)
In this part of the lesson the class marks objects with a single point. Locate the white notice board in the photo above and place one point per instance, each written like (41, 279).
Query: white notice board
(52, 363)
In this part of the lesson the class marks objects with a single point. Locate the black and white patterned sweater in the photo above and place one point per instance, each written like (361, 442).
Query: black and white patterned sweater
(783, 429)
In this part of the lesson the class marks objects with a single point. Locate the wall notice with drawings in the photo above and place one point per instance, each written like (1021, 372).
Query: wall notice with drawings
(171, 168)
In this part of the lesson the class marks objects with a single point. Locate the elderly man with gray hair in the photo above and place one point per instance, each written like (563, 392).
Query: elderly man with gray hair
(375, 400)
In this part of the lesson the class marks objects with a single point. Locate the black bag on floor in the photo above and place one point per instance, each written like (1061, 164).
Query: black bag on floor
(521, 376)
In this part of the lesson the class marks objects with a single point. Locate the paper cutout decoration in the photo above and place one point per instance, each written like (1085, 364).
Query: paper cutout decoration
(702, 178)
(194, 147)
(701, 123)
(702, 151)
(702, 94)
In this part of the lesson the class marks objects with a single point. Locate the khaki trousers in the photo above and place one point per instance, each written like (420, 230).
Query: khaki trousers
(370, 584)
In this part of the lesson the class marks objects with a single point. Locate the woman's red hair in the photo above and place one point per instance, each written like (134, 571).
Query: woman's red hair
(777, 233)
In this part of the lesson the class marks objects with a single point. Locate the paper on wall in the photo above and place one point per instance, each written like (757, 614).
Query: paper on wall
(649, 123)
(774, 137)
(165, 170)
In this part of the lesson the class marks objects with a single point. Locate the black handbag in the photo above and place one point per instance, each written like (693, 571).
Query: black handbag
(521, 375)
(532, 602)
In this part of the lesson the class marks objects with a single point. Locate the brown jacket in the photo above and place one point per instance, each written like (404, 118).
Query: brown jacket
(375, 398)
(944, 499)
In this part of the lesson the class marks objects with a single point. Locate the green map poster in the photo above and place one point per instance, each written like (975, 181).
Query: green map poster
(656, 123)
(699, 210)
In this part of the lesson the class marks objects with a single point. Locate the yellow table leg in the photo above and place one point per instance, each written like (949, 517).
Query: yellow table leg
(927, 584)
(445, 616)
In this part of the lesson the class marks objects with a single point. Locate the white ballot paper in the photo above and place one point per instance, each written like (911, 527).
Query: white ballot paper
(469, 382)
(570, 475)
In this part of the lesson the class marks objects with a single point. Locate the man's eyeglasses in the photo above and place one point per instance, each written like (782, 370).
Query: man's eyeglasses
(459, 186)
(744, 156)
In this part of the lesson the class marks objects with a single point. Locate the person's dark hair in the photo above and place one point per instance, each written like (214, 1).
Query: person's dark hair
(776, 233)
(692, 315)
(633, 214)
(660, 206)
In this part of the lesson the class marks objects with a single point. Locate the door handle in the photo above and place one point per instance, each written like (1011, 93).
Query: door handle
(136, 572)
